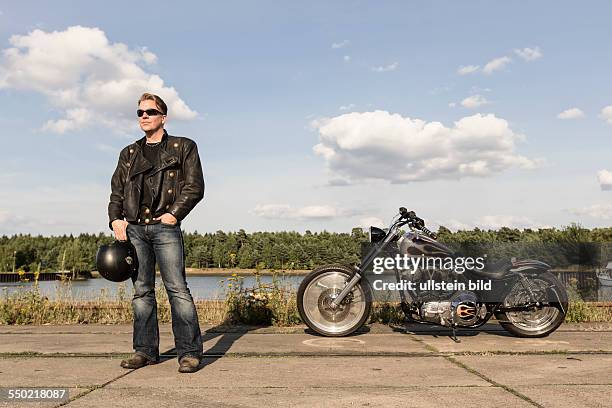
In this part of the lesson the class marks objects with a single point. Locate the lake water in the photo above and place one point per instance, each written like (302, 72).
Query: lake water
(202, 287)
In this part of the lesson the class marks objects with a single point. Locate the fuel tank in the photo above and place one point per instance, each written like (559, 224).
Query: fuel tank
(413, 244)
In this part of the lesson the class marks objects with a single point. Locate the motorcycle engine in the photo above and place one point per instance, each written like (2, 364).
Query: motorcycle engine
(462, 309)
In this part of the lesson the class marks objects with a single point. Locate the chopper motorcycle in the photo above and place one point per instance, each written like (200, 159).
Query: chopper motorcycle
(525, 297)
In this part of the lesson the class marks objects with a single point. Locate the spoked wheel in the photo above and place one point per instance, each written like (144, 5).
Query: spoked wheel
(316, 293)
(538, 322)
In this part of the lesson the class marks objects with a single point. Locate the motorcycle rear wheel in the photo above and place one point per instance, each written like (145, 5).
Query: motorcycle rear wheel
(539, 322)
(319, 288)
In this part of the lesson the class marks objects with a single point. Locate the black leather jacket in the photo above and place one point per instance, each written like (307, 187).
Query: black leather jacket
(179, 180)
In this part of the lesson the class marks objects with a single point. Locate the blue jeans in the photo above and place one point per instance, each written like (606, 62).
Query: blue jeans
(164, 243)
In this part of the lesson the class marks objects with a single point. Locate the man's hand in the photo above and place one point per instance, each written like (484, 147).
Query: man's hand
(119, 227)
(167, 218)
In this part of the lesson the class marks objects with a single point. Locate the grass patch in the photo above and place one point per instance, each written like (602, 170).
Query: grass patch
(30, 306)
(580, 311)
(265, 304)
(386, 313)
(586, 312)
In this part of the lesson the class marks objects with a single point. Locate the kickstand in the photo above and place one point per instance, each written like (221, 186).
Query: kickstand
(406, 329)
(454, 336)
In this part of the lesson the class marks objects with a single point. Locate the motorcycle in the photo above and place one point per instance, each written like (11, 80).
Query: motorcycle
(525, 297)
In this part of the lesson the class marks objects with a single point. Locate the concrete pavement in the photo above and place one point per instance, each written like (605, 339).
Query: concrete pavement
(382, 366)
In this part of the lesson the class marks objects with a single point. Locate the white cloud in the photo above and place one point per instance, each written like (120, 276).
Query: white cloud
(347, 107)
(452, 104)
(10, 222)
(440, 90)
(380, 145)
(496, 222)
(571, 113)
(496, 64)
(455, 225)
(346, 58)
(477, 89)
(390, 67)
(606, 114)
(493, 222)
(474, 101)
(64, 209)
(4, 214)
(286, 211)
(339, 182)
(368, 222)
(529, 54)
(76, 118)
(468, 69)
(605, 179)
(91, 80)
(340, 44)
(600, 211)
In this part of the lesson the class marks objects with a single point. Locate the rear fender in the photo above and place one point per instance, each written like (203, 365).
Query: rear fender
(529, 266)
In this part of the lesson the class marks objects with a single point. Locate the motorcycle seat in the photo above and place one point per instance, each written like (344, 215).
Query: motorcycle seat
(494, 270)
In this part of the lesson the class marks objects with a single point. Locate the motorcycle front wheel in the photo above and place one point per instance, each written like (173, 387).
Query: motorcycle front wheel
(317, 291)
(539, 322)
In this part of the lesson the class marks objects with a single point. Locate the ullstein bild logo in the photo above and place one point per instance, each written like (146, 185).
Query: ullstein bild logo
(414, 263)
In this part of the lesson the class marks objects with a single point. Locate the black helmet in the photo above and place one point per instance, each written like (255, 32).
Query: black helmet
(117, 261)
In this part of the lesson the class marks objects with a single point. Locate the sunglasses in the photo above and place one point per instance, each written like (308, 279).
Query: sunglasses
(149, 112)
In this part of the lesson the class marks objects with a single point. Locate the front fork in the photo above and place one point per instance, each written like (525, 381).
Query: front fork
(347, 288)
(369, 258)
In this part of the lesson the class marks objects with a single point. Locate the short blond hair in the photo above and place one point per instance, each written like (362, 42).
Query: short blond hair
(161, 105)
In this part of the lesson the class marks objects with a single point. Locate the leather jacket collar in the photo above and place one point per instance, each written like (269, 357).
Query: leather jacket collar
(141, 142)
(140, 164)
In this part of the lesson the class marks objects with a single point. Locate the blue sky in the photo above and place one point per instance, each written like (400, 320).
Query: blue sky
(377, 86)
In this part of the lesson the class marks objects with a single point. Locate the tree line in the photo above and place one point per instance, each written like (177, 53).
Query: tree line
(293, 250)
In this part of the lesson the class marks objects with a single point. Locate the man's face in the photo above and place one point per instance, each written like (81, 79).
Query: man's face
(153, 122)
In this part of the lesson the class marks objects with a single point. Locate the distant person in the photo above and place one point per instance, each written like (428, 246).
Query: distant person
(157, 182)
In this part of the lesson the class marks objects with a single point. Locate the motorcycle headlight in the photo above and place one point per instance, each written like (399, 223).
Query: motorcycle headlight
(377, 234)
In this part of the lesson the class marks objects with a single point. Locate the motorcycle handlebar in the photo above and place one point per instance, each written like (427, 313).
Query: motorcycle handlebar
(408, 215)
(414, 221)
(405, 214)
(428, 232)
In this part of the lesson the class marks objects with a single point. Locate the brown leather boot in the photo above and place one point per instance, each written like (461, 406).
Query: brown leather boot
(136, 361)
(189, 364)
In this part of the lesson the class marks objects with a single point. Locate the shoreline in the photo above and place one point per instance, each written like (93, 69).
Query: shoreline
(231, 271)
(577, 272)
(243, 272)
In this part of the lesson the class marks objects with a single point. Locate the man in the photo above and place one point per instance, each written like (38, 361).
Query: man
(157, 182)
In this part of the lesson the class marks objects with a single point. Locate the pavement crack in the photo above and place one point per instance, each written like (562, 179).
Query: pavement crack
(427, 346)
(493, 382)
(95, 387)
